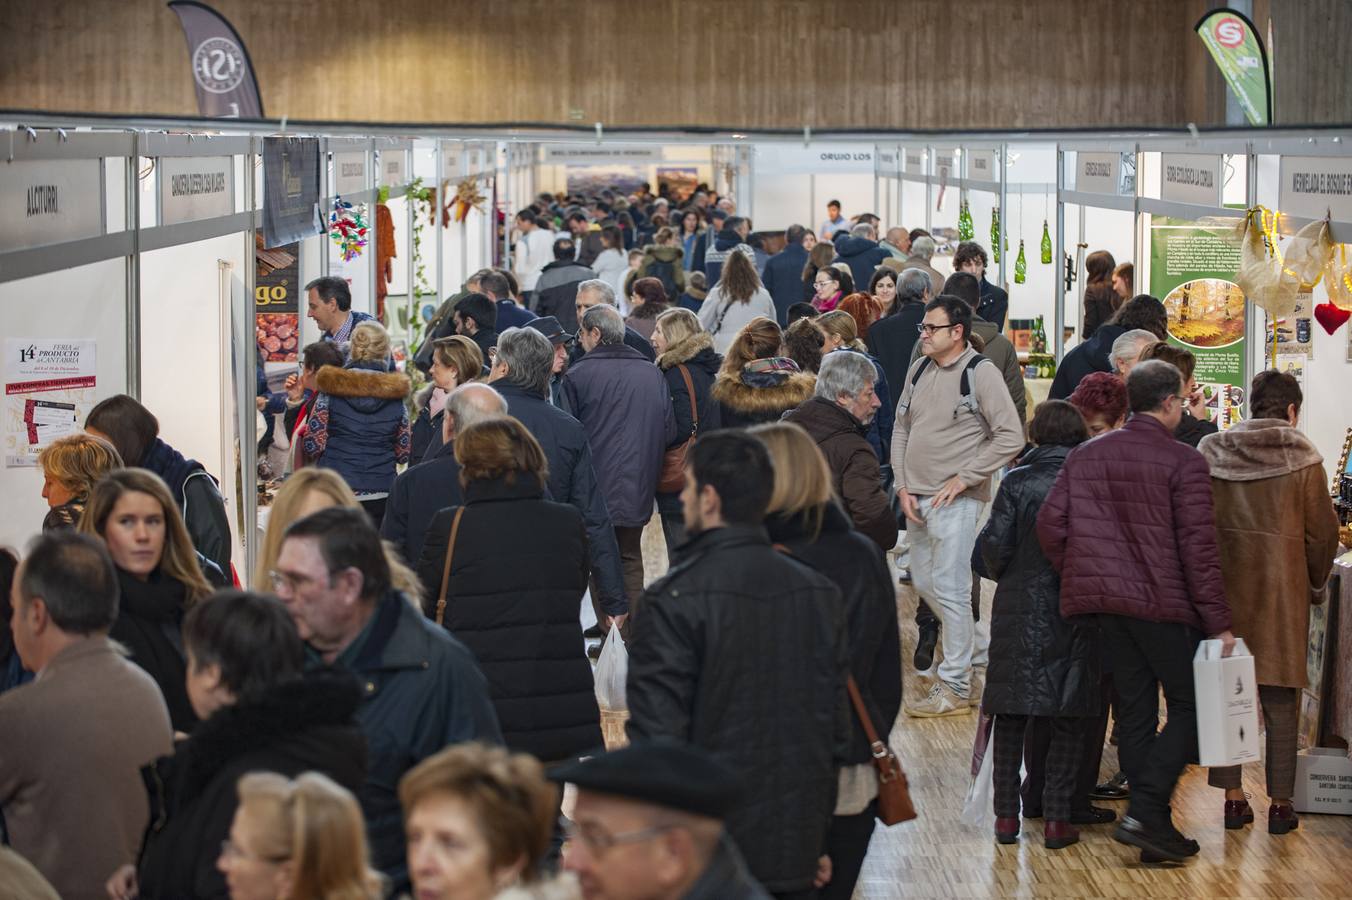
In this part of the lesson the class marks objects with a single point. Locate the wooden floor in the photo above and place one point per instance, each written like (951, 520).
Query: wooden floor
(937, 856)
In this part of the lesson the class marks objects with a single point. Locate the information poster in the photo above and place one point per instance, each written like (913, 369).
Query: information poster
(277, 303)
(1192, 268)
(49, 389)
(1295, 334)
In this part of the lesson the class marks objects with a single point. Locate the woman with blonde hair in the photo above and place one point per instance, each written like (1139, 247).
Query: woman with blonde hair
(839, 328)
(756, 384)
(495, 809)
(359, 426)
(308, 491)
(297, 840)
(738, 298)
(805, 517)
(159, 573)
(71, 466)
(456, 360)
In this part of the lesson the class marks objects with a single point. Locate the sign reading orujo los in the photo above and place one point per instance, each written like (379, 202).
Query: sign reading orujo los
(196, 187)
(983, 165)
(50, 201)
(1191, 178)
(591, 154)
(349, 173)
(1097, 173)
(392, 168)
(815, 159)
(1315, 186)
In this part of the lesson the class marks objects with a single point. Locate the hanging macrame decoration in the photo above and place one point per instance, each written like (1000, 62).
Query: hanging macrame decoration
(467, 197)
(347, 229)
(1270, 277)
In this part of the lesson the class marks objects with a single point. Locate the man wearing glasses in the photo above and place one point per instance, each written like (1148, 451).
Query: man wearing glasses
(956, 426)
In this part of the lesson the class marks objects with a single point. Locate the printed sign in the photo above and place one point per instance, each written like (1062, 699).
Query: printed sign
(49, 389)
(221, 72)
(1097, 173)
(196, 187)
(1313, 186)
(983, 165)
(1191, 178)
(815, 159)
(451, 154)
(290, 190)
(392, 168)
(913, 160)
(50, 201)
(349, 173)
(590, 154)
(888, 163)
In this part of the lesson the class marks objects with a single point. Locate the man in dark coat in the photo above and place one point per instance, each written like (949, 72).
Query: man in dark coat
(497, 288)
(862, 253)
(970, 257)
(892, 339)
(434, 484)
(597, 292)
(622, 400)
(586, 237)
(556, 290)
(476, 317)
(1141, 312)
(734, 629)
(521, 374)
(258, 715)
(783, 276)
(730, 238)
(1129, 525)
(837, 418)
(421, 688)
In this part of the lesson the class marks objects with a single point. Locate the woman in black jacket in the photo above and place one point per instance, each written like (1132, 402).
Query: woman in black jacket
(1040, 665)
(259, 714)
(159, 574)
(684, 351)
(806, 520)
(518, 567)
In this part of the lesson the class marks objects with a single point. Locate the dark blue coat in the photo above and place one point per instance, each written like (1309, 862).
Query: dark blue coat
(359, 426)
(418, 494)
(891, 340)
(784, 279)
(512, 316)
(1084, 359)
(862, 256)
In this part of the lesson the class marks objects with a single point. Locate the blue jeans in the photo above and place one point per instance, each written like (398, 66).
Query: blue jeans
(941, 572)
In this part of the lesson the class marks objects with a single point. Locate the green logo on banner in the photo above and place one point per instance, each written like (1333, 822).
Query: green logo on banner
(1239, 53)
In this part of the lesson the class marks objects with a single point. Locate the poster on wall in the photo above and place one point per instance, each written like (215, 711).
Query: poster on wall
(592, 180)
(277, 303)
(1295, 334)
(49, 389)
(1191, 270)
(677, 183)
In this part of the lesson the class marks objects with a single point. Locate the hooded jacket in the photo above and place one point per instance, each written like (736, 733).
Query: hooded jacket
(750, 398)
(1278, 536)
(862, 256)
(853, 464)
(359, 426)
(199, 499)
(667, 265)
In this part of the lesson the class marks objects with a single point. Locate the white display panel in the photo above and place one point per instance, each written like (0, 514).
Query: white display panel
(1104, 229)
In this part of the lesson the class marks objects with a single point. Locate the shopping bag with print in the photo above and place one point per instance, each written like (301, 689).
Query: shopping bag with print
(1227, 705)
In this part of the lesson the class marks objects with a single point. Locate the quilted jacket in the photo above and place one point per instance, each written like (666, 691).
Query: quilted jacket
(1129, 525)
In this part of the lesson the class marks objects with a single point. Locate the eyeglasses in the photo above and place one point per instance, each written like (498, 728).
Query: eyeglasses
(827, 283)
(926, 328)
(600, 841)
(230, 850)
(293, 583)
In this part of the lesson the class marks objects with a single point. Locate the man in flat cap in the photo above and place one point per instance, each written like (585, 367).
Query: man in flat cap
(648, 825)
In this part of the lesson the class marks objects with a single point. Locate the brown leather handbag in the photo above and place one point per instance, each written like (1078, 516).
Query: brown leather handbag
(894, 793)
(672, 479)
(446, 569)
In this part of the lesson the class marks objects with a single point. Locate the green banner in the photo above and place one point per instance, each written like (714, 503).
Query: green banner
(1238, 51)
(1192, 270)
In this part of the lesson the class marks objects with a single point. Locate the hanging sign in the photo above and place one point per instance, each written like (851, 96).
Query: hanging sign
(450, 160)
(290, 190)
(49, 389)
(983, 165)
(1097, 173)
(392, 168)
(913, 160)
(591, 154)
(1191, 178)
(196, 187)
(888, 163)
(349, 173)
(815, 159)
(1238, 51)
(50, 201)
(222, 73)
(1315, 186)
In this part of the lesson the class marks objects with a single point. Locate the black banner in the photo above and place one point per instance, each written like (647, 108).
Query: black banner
(222, 72)
(290, 190)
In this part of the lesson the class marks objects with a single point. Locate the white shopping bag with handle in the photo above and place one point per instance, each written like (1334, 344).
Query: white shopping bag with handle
(1227, 705)
(612, 669)
(978, 810)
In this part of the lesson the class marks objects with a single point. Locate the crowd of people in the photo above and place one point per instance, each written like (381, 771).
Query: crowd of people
(397, 702)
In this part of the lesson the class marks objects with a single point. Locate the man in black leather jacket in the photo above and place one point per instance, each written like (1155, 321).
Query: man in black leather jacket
(741, 650)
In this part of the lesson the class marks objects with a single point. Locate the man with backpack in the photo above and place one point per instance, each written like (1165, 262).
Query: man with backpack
(955, 427)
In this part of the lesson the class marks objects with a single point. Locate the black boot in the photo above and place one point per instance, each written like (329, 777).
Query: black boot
(924, 647)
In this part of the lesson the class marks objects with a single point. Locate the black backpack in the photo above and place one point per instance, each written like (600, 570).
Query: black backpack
(968, 399)
(664, 272)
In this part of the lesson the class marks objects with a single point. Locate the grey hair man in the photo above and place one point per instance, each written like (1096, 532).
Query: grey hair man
(864, 230)
(861, 251)
(897, 242)
(836, 417)
(434, 484)
(922, 251)
(601, 325)
(1127, 350)
(596, 292)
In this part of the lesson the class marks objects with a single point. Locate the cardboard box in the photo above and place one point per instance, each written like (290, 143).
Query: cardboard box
(1227, 705)
(1323, 782)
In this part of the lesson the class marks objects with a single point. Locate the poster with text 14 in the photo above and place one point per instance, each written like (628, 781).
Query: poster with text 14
(49, 389)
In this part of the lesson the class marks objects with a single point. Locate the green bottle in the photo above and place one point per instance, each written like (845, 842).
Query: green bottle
(995, 235)
(966, 231)
(1039, 337)
(1046, 244)
(1020, 266)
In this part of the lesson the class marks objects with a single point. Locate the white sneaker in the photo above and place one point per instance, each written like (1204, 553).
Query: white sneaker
(941, 700)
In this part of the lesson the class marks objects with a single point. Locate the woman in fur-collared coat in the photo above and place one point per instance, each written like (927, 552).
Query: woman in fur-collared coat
(359, 425)
(755, 383)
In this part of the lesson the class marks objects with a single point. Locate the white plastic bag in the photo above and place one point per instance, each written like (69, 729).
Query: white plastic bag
(612, 668)
(978, 810)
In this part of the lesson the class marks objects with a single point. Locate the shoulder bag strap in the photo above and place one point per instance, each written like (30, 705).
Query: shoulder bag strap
(857, 701)
(446, 569)
(690, 389)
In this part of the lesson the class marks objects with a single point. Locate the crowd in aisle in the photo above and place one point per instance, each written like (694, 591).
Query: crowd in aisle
(395, 705)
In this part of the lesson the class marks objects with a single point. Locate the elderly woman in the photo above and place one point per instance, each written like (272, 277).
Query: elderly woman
(71, 466)
(478, 819)
(359, 426)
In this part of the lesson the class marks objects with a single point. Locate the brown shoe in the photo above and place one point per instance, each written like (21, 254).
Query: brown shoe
(1239, 813)
(1056, 835)
(1007, 830)
(1282, 818)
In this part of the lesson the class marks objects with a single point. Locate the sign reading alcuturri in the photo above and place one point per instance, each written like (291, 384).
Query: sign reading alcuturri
(50, 201)
(196, 187)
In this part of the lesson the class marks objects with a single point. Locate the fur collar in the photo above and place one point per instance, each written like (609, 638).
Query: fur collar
(782, 394)
(563, 887)
(347, 382)
(1256, 449)
(685, 351)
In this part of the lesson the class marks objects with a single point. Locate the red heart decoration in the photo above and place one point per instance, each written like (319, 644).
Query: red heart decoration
(1331, 317)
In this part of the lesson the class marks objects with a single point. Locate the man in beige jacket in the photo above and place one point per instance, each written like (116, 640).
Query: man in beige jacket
(75, 739)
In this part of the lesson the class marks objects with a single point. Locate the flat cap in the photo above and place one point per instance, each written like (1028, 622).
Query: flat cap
(551, 328)
(661, 772)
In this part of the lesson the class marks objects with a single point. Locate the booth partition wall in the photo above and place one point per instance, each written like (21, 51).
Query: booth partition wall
(161, 287)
